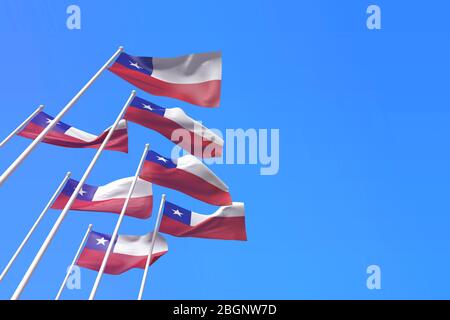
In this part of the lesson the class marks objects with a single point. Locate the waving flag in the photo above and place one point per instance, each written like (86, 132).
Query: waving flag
(109, 198)
(227, 223)
(188, 175)
(128, 252)
(67, 136)
(192, 136)
(194, 78)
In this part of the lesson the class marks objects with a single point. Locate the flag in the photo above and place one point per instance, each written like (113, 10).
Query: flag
(127, 252)
(187, 174)
(194, 78)
(191, 135)
(109, 198)
(227, 223)
(67, 136)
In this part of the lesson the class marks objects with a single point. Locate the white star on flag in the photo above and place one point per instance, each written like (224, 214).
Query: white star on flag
(177, 213)
(101, 241)
(162, 159)
(82, 192)
(135, 64)
(48, 120)
(147, 106)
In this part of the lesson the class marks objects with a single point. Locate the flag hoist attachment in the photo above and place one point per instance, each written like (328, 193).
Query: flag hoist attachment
(22, 125)
(57, 118)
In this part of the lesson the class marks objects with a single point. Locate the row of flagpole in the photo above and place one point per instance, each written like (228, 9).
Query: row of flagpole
(76, 191)
(7, 173)
(35, 225)
(69, 203)
(106, 257)
(116, 228)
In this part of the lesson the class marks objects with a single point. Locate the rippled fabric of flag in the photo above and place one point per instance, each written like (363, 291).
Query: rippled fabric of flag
(128, 252)
(177, 126)
(227, 223)
(186, 174)
(110, 197)
(65, 135)
(194, 78)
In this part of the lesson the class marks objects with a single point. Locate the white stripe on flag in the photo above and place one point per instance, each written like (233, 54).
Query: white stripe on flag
(177, 115)
(119, 189)
(80, 134)
(235, 210)
(139, 245)
(193, 68)
(88, 137)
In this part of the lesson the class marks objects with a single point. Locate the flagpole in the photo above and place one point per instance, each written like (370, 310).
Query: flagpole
(69, 270)
(22, 125)
(52, 123)
(69, 203)
(119, 222)
(35, 225)
(152, 245)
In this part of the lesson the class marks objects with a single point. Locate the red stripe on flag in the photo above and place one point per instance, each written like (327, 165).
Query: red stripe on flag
(117, 263)
(137, 207)
(185, 182)
(225, 228)
(118, 141)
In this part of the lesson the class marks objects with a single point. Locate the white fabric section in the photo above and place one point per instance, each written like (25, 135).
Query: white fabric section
(139, 245)
(80, 134)
(88, 137)
(193, 68)
(179, 116)
(235, 210)
(121, 125)
(193, 165)
(119, 189)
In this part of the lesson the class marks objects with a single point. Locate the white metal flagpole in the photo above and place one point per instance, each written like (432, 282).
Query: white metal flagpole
(22, 125)
(69, 203)
(69, 270)
(152, 245)
(119, 222)
(35, 225)
(50, 126)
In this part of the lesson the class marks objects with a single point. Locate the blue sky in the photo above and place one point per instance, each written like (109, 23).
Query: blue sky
(363, 118)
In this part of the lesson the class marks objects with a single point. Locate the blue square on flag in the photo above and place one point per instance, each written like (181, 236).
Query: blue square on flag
(177, 213)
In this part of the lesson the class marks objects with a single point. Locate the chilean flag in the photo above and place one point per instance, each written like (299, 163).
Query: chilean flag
(188, 175)
(109, 198)
(191, 135)
(227, 223)
(128, 252)
(194, 78)
(67, 136)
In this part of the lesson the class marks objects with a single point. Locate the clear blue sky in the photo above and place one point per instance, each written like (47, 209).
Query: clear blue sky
(364, 161)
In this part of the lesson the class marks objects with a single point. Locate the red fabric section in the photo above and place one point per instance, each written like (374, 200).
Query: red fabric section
(166, 127)
(118, 141)
(137, 207)
(205, 94)
(117, 263)
(185, 182)
(225, 228)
